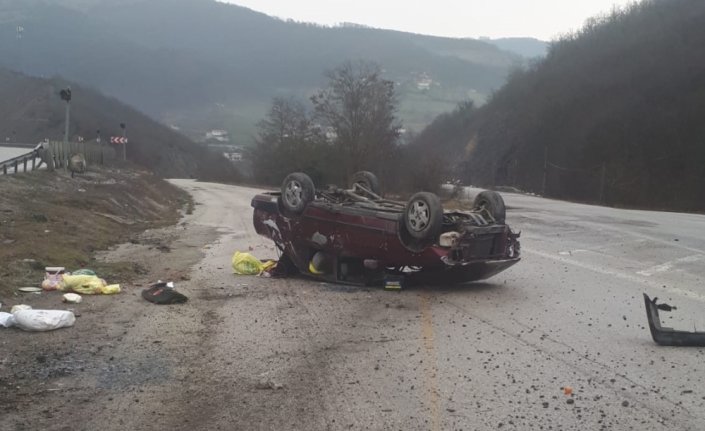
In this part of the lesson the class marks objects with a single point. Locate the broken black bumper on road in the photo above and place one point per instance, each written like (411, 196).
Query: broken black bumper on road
(669, 336)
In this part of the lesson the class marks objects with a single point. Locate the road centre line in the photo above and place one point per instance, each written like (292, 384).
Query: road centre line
(618, 274)
(431, 361)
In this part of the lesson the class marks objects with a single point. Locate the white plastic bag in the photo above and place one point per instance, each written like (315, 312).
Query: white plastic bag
(43, 320)
(7, 320)
(18, 307)
(73, 298)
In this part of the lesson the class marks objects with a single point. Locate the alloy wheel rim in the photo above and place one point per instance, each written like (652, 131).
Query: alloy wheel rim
(293, 193)
(418, 216)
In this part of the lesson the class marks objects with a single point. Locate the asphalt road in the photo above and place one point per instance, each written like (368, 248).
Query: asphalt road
(483, 356)
(7, 153)
(277, 354)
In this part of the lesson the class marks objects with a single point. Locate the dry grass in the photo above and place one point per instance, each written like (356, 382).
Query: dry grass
(50, 219)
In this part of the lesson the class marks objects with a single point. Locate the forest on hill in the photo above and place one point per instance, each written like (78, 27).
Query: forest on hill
(32, 111)
(613, 114)
(204, 65)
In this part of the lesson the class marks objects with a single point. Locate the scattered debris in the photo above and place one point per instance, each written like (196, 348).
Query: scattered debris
(268, 383)
(88, 285)
(669, 336)
(7, 319)
(53, 277)
(246, 264)
(30, 289)
(20, 307)
(393, 282)
(72, 298)
(25, 318)
(162, 293)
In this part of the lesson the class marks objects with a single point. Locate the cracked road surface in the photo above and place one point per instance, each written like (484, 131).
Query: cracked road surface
(276, 354)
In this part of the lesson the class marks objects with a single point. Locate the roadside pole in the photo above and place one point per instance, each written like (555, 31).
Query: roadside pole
(123, 126)
(66, 95)
(603, 177)
(68, 116)
(20, 35)
(545, 170)
(100, 147)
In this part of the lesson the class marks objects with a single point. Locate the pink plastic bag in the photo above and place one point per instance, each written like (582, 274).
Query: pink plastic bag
(53, 278)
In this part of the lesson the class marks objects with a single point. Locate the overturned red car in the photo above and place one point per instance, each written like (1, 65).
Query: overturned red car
(356, 236)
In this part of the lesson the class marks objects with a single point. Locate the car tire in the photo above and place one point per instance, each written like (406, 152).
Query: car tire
(366, 179)
(493, 203)
(423, 217)
(296, 192)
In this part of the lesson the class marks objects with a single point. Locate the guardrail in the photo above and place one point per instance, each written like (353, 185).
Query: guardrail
(58, 155)
(16, 145)
(15, 162)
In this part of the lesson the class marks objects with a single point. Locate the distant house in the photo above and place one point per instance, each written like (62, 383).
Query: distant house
(233, 157)
(424, 82)
(330, 134)
(218, 135)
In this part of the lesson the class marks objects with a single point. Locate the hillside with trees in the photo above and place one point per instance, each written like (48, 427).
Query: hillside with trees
(351, 126)
(201, 64)
(613, 114)
(525, 46)
(32, 111)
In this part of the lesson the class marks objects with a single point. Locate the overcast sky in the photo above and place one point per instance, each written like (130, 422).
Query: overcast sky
(543, 19)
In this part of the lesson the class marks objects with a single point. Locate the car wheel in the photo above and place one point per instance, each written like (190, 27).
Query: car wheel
(423, 216)
(367, 180)
(493, 203)
(297, 191)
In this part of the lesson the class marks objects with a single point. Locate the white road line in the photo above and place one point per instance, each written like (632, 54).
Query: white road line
(669, 265)
(618, 274)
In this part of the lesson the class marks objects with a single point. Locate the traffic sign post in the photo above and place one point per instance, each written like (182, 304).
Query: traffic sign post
(124, 144)
(120, 140)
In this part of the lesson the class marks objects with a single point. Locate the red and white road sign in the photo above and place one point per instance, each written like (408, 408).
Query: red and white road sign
(118, 140)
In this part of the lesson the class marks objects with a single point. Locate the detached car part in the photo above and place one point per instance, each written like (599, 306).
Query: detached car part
(669, 336)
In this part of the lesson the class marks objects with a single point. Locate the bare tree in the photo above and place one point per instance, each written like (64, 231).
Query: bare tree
(287, 141)
(286, 122)
(359, 108)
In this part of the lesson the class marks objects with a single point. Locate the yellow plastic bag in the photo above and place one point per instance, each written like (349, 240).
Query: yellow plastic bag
(88, 285)
(246, 264)
(110, 289)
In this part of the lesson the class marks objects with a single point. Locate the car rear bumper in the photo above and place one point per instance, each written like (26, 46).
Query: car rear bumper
(461, 273)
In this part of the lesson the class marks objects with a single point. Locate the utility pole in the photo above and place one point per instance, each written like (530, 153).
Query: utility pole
(545, 170)
(66, 95)
(123, 126)
(100, 147)
(602, 182)
(20, 35)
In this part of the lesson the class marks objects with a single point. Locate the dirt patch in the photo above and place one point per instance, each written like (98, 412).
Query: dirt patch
(51, 219)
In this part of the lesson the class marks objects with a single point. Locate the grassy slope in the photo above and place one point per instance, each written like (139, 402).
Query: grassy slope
(53, 220)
